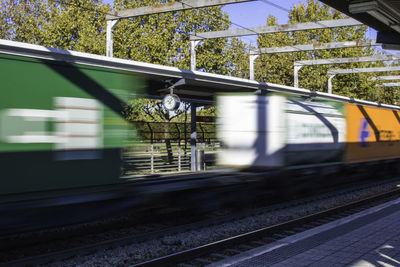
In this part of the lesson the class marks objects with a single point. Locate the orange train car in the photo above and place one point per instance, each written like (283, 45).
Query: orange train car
(372, 133)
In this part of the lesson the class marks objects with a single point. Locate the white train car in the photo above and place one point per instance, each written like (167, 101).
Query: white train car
(276, 130)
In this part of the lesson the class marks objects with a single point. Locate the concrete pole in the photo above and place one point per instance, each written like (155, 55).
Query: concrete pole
(330, 83)
(193, 136)
(193, 45)
(296, 75)
(109, 37)
(252, 59)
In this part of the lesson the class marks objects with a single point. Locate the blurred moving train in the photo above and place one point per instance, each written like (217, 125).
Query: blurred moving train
(278, 130)
(62, 125)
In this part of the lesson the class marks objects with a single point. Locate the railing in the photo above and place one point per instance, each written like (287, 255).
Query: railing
(165, 147)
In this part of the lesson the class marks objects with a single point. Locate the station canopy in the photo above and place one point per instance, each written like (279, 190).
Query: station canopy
(382, 15)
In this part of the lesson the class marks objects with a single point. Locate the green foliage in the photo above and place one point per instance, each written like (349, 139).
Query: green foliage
(73, 24)
(208, 111)
(144, 109)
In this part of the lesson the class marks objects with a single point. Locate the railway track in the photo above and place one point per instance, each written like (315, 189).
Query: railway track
(209, 253)
(158, 231)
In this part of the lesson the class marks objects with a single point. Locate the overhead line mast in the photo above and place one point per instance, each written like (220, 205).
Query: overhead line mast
(299, 64)
(310, 47)
(324, 24)
(334, 72)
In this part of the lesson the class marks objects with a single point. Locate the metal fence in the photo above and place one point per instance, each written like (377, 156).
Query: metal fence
(165, 147)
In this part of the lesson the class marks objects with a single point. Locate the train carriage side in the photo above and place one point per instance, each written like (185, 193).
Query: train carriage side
(277, 130)
(316, 131)
(60, 124)
(373, 133)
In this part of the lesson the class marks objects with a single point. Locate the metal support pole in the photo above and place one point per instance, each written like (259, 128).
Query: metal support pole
(152, 158)
(179, 157)
(296, 75)
(151, 148)
(252, 59)
(193, 136)
(330, 83)
(193, 45)
(109, 37)
(179, 147)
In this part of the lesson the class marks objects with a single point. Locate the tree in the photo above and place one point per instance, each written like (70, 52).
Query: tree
(274, 67)
(152, 110)
(74, 24)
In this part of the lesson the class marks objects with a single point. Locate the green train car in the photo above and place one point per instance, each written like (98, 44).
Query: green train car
(61, 124)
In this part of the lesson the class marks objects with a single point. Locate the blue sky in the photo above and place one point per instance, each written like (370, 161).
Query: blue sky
(253, 14)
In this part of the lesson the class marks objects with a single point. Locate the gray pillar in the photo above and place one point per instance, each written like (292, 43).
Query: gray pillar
(330, 83)
(193, 45)
(252, 59)
(109, 37)
(296, 75)
(193, 136)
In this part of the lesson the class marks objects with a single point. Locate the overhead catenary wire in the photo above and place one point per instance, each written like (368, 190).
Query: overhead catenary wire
(204, 10)
(287, 10)
(275, 5)
(112, 14)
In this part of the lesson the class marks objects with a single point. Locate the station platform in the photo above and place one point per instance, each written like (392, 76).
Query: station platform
(368, 238)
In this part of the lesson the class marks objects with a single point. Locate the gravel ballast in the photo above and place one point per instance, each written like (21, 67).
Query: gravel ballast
(135, 253)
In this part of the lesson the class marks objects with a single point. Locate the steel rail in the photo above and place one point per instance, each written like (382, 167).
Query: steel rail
(192, 253)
